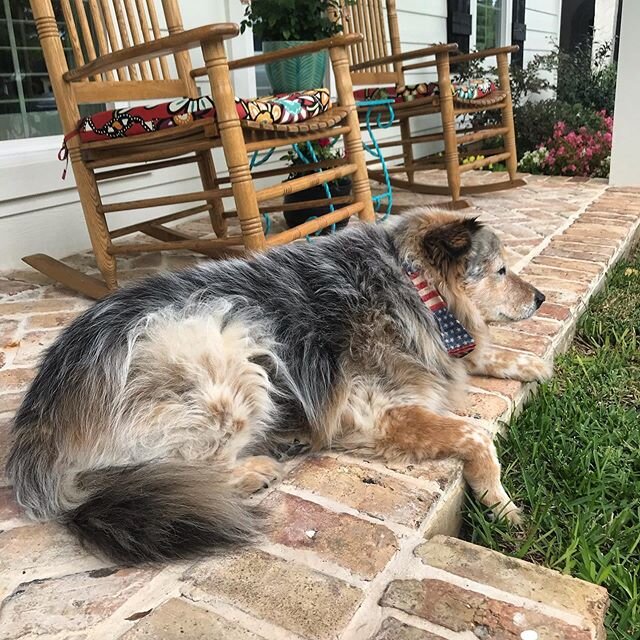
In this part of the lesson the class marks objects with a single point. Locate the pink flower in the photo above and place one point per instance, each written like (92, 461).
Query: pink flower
(324, 142)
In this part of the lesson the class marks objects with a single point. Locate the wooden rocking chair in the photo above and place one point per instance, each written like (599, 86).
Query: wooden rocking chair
(373, 65)
(119, 55)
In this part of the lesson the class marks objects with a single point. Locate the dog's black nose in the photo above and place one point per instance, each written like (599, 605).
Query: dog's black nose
(539, 298)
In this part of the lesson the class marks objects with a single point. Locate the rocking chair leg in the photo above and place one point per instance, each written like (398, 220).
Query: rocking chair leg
(507, 116)
(452, 161)
(233, 146)
(96, 223)
(210, 182)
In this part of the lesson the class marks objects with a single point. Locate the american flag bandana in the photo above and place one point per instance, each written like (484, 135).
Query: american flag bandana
(457, 340)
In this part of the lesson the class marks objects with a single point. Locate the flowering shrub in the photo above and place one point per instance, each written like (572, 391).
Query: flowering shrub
(582, 152)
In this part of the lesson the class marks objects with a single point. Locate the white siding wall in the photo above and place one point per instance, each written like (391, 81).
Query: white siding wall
(543, 26)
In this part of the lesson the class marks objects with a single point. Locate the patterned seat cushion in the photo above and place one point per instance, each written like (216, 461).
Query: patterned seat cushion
(468, 90)
(281, 109)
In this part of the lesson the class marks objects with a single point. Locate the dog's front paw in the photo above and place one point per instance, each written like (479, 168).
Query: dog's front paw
(534, 369)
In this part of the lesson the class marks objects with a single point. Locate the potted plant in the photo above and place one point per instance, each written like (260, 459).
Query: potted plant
(324, 149)
(282, 24)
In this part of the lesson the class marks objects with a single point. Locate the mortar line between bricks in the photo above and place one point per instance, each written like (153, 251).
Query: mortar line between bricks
(158, 590)
(580, 261)
(559, 231)
(13, 579)
(263, 628)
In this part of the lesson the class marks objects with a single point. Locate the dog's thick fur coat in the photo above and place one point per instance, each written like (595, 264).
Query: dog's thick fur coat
(153, 415)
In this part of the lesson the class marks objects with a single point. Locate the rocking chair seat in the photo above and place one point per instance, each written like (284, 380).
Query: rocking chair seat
(478, 92)
(273, 110)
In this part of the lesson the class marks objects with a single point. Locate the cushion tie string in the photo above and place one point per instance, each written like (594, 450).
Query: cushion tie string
(63, 153)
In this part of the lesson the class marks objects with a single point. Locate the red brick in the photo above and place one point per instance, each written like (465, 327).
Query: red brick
(609, 220)
(564, 298)
(393, 629)
(376, 494)
(546, 284)
(70, 604)
(8, 333)
(539, 345)
(39, 546)
(357, 545)
(568, 263)
(537, 327)
(9, 508)
(28, 307)
(12, 380)
(441, 472)
(508, 388)
(179, 619)
(50, 320)
(597, 255)
(552, 272)
(10, 287)
(598, 231)
(554, 311)
(484, 406)
(31, 346)
(459, 609)
(5, 440)
(304, 601)
(10, 401)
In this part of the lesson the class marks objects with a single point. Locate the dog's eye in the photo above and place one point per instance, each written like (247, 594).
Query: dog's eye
(502, 271)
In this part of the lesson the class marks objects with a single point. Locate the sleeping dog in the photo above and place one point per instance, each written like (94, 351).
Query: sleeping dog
(157, 412)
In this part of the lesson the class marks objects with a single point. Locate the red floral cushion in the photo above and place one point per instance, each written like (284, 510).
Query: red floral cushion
(467, 90)
(280, 109)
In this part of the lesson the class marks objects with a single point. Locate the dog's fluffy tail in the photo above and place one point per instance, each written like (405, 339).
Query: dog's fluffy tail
(160, 511)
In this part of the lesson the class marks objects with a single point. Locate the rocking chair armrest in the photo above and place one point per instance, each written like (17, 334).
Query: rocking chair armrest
(292, 52)
(487, 53)
(180, 41)
(407, 55)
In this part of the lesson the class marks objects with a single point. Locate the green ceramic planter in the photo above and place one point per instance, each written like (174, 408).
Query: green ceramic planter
(295, 74)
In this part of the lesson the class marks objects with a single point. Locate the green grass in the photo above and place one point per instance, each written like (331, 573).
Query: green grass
(572, 459)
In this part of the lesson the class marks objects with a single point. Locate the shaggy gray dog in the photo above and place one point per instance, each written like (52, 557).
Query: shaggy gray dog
(160, 409)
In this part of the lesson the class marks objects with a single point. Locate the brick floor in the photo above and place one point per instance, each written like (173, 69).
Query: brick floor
(353, 552)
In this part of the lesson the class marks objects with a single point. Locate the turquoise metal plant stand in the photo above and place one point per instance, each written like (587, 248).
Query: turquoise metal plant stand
(374, 149)
(308, 156)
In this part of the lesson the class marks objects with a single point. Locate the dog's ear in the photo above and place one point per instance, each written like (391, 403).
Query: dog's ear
(448, 243)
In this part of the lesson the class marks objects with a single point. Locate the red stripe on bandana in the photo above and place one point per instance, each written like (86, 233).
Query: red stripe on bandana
(456, 339)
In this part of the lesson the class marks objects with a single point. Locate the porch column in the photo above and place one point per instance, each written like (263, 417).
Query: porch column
(625, 165)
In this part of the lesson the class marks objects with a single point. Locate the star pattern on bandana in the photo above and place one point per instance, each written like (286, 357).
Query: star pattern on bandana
(456, 339)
